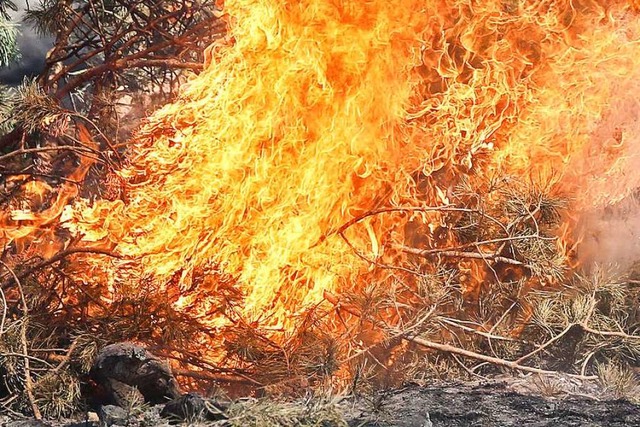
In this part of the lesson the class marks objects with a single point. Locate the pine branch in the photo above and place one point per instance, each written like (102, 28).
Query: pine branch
(5, 6)
(8, 47)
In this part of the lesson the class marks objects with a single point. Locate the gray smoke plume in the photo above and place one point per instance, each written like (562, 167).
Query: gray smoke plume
(33, 50)
(611, 227)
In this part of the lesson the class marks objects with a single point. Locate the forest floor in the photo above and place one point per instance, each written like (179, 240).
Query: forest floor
(493, 404)
(513, 402)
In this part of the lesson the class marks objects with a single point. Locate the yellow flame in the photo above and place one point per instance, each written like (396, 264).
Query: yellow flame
(31, 225)
(314, 109)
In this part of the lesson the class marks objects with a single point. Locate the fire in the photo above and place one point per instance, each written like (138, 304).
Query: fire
(293, 128)
(32, 227)
(313, 112)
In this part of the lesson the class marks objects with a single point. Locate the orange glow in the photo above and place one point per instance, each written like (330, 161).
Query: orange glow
(31, 224)
(312, 112)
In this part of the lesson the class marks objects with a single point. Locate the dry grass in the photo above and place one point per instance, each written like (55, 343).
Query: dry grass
(267, 413)
(619, 382)
(497, 294)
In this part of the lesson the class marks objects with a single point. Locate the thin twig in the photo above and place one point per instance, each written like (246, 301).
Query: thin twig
(58, 257)
(219, 378)
(33, 358)
(4, 312)
(67, 357)
(508, 239)
(25, 348)
(97, 129)
(408, 209)
(459, 254)
(490, 359)
(545, 345)
(43, 175)
(488, 335)
(78, 150)
(376, 263)
(203, 364)
(617, 334)
(449, 349)
(5, 406)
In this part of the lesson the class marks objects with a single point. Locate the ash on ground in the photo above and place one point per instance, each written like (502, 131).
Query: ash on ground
(492, 403)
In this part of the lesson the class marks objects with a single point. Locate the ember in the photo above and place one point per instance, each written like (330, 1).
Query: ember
(347, 184)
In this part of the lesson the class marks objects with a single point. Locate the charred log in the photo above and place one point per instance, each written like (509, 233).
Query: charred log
(127, 369)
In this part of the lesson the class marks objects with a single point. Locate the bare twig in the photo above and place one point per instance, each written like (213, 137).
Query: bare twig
(4, 311)
(57, 257)
(83, 151)
(449, 349)
(458, 254)
(545, 345)
(44, 175)
(445, 348)
(409, 209)
(32, 358)
(488, 335)
(218, 378)
(376, 263)
(25, 348)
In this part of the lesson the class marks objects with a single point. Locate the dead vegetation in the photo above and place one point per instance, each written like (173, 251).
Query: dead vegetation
(490, 289)
(265, 413)
(500, 298)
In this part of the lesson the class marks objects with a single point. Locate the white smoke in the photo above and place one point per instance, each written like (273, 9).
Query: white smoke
(610, 227)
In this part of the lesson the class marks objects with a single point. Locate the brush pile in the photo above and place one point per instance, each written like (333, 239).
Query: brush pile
(412, 208)
(423, 318)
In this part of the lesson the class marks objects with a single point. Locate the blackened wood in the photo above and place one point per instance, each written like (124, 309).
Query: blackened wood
(128, 364)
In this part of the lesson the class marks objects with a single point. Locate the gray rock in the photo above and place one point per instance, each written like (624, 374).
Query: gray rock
(126, 369)
(27, 423)
(112, 416)
(192, 407)
(124, 395)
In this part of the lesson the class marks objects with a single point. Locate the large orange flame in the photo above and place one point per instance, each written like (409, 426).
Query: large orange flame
(312, 111)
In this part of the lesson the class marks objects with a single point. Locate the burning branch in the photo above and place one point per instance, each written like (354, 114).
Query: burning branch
(56, 258)
(425, 185)
(408, 334)
(458, 254)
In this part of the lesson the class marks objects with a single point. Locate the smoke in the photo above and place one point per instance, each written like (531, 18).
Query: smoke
(33, 49)
(611, 235)
(610, 224)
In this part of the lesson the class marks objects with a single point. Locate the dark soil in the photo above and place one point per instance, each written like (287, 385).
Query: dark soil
(453, 405)
(486, 406)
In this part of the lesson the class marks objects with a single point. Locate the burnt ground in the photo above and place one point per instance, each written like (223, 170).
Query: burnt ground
(452, 405)
(488, 405)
